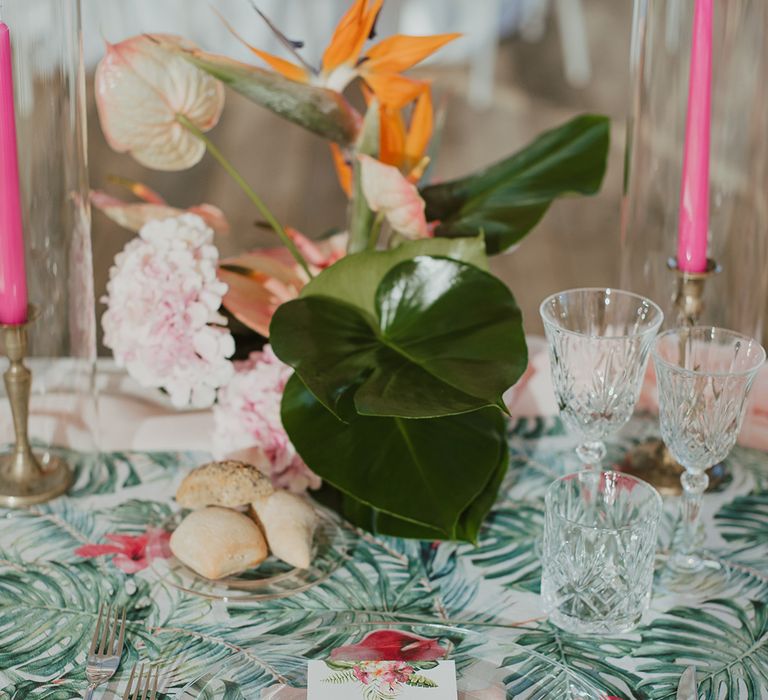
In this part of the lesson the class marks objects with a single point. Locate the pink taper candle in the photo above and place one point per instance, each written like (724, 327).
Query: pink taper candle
(13, 278)
(694, 192)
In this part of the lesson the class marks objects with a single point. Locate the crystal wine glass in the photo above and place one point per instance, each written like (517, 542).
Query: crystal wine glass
(599, 341)
(704, 375)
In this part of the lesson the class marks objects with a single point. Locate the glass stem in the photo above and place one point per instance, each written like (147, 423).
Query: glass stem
(685, 556)
(245, 187)
(591, 453)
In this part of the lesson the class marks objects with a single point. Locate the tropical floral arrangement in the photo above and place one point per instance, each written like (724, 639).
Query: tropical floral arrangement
(391, 344)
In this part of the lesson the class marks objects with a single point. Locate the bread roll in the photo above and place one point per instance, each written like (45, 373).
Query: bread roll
(289, 523)
(217, 542)
(229, 483)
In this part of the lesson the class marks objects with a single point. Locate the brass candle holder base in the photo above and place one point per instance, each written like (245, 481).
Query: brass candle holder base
(651, 460)
(25, 480)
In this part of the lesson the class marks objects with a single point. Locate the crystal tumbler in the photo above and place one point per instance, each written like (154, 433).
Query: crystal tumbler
(704, 375)
(598, 551)
(599, 341)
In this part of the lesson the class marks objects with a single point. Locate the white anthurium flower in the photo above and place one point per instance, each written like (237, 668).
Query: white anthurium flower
(141, 88)
(388, 191)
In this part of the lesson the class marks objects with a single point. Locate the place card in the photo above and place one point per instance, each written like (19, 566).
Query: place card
(381, 680)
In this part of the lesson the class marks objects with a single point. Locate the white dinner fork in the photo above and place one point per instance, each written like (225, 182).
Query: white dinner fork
(106, 648)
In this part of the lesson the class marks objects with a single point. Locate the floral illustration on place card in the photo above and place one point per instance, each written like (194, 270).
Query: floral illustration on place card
(381, 680)
(384, 665)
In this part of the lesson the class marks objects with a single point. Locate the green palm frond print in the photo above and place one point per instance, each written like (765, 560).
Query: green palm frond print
(727, 642)
(60, 561)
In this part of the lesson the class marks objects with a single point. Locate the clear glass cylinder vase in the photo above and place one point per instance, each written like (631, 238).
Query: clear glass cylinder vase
(738, 192)
(49, 93)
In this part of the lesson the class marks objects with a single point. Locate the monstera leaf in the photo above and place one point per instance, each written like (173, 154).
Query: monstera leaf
(506, 200)
(423, 478)
(401, 359)
(431, 337)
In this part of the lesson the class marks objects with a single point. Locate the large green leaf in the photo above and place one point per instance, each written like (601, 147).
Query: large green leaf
(430, 472)
(382, 523)
(733, 663)
(321, 111)
(507, 199)
(355, 278)
(444, 338)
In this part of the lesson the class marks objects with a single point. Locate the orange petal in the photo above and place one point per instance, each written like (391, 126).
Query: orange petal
(285, 68)
(256, 291)
(351, 33)
(392, 136)
(343, 169)
(392, 89)
(419, 131)
(398, 53)
(138, 188)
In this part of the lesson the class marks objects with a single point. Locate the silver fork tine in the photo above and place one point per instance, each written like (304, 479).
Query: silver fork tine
(147, 684)
(127, 693)
(95, 639)
(105, 630)
(112, 633)
(154, 685)
(119, 649)
(137, 692)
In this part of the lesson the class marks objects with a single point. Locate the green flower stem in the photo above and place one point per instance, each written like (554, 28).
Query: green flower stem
(238, 178)
(375, 231)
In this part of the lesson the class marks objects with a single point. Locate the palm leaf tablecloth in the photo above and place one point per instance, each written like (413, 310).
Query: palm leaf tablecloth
(49, 595)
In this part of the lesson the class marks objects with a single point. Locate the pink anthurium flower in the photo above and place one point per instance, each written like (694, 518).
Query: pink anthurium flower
(391, 645)
(131, 553)
(262, 280)
(388, 191)
(133, 215)
(141, 88)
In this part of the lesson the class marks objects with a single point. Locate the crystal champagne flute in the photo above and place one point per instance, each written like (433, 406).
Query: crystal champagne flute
(704, 375)
(599, 341)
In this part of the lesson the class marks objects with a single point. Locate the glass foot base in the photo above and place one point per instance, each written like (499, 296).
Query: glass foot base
(685, 563)
(705, 577)
(54, 480)
(576, 625)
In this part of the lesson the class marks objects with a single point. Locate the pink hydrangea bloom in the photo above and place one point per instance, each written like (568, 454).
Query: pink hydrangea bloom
(248, 424)
(162, 320)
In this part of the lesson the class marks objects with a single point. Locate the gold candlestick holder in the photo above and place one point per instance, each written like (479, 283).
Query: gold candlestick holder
(25, 480)
(651, 460)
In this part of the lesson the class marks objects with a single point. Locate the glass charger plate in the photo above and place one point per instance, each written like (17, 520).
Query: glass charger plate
(489, 664)
(272, 578)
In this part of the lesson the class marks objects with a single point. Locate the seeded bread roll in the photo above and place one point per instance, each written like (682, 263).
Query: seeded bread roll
(218, 542)
(289, 523)
(229, 483)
